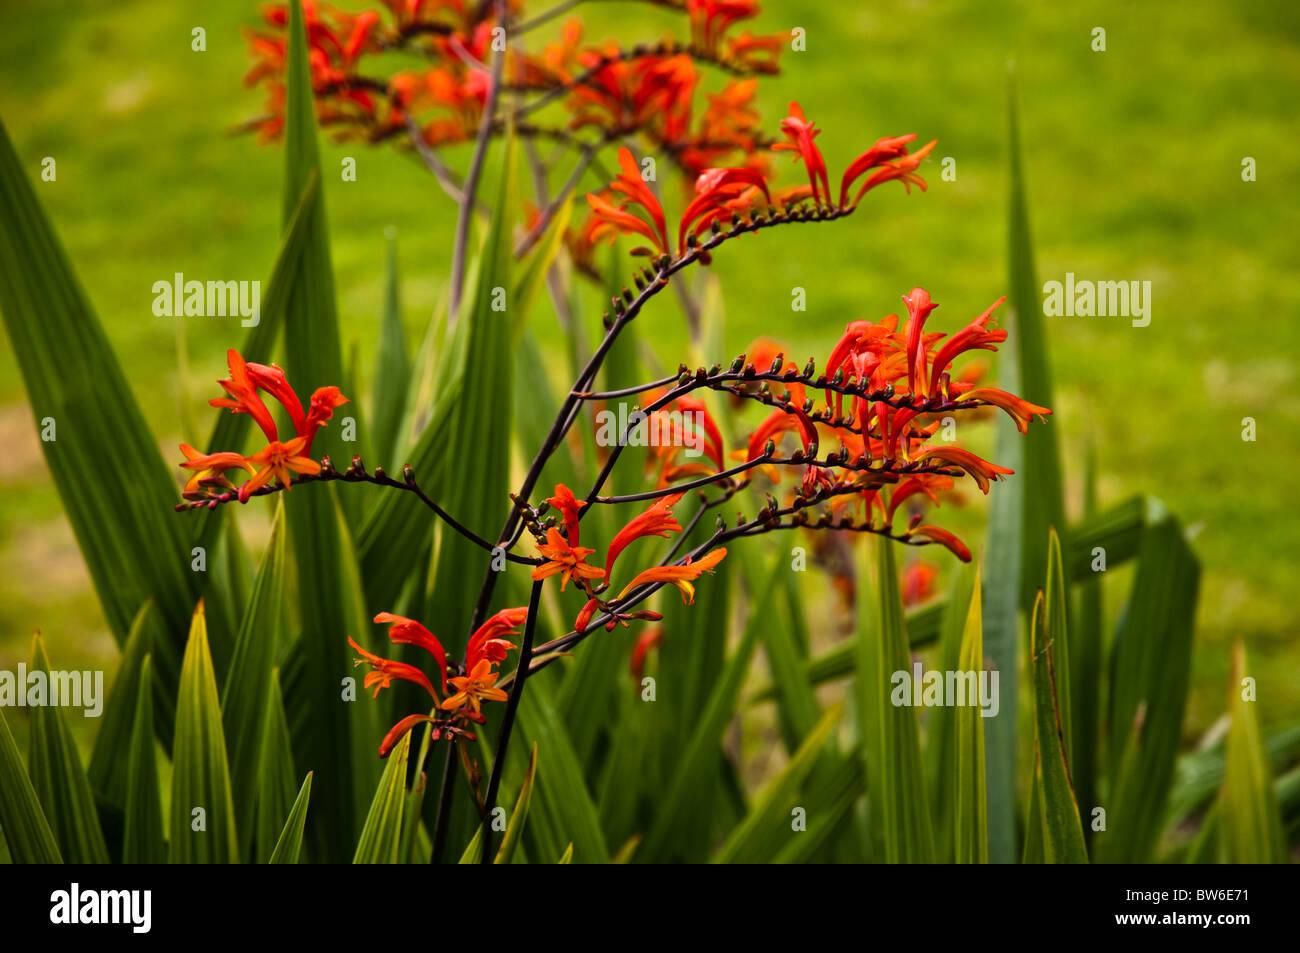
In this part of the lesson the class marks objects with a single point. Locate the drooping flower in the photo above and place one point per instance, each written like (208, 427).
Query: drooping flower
(1017, 408)
(569, 508)
(404, 631)
(383, 671)
(657, 520)
(570, 562)
(489, 640)
(608, 219)
(801, 134)
(982, 471)
(211, 466)
(242, 396)
(680, 576)
(944, 538)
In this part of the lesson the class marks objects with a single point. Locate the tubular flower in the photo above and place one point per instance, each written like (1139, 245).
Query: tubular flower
(404, 631)
(918, 582)
(980, 470)
(569, 507)
(714, 190)
(209, 467)
(944, 538)
(570, 562)
(278, 460)
(383, 671)
(242, 397)
(801, 134)
(680, 576)
(610, 219)
(658, 520)
(1019, 409)
(478, 685)
(489, 642)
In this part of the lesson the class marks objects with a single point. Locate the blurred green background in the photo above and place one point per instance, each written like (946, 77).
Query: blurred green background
(1133, 158)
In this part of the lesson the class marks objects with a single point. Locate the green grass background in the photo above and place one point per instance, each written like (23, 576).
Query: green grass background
(1133, 157)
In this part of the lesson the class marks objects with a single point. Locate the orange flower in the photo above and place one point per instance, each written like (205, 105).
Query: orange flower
(479, 684)
(207, 466)
(680, 576)
(242, 397)
(569, 561)
(323, 402)
(658, 520)
(406, 631)
(568, 505)
(383, 671)
(278, 460)
(608, 219)
(488, 640)
(918, 582)
(801, 134)
(1019, 409)
(945, 538)
(981, 471)
(715, 189)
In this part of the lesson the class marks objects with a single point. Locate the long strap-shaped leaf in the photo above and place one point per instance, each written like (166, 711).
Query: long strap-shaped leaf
(22, 821)
(134, 545)
(202, 806)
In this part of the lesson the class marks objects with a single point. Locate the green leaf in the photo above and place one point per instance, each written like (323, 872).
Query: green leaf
(1149, 666)
(289, 846)
(828, 805)
(275, 773)
(485, 408)
(514, 827)
(1086, 651)
(941, 751)
(108, 769)
(313, 358)
(248, 684)
(134, 546)
(696, 760)
(768, 826)
(1043, 497)
(57, 775)
(392, 368)
(970, 791)
(26, 831)
(1250, 822)
(567, 856)
(381, 837)
(143, 841)
(898, 801)
(1056, 810)
(200, 773)
(519, 816)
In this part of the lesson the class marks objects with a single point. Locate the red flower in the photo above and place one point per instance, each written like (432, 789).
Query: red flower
(658, 520)
(278, 460)
(801, 134)
(383, 671)
(680, 576)
(944, 538)
(1019, 409)
(569, 507)
(714, 189)
(646, 641)
(242, 395)
(211, 466)
(488, 640)
(608, 219)
(570, 562)
(404, 631)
